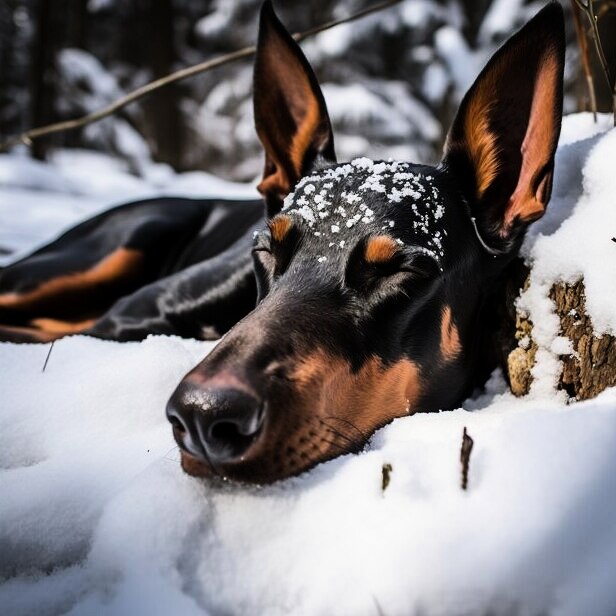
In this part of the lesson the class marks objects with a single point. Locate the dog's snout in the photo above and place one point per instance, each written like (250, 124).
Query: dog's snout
(215, 424)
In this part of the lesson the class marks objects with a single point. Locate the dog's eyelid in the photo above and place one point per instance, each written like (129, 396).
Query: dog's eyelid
(420, 264)
(262, 240)
(261, 248)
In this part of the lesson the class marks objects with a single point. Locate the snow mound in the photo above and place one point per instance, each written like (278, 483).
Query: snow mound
(574, 240)
(96, 516)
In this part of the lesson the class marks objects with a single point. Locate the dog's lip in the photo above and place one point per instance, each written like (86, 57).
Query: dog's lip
(191, 448)
(194, 467)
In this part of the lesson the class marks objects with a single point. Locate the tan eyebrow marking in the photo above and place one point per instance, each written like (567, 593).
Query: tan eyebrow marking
(280, 226)
(450, 338)
(380, 249)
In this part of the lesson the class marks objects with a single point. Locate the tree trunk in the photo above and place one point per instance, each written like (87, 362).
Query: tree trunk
(586, 372)
(42, 91)
(151, 44)
(58, 24)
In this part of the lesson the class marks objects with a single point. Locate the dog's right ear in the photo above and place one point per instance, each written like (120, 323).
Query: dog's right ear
(290, 113)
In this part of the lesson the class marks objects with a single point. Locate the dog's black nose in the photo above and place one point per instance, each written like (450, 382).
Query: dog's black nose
(215, 424)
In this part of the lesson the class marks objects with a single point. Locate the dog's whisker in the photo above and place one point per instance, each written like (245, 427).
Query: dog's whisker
(349, 423)
(336, 432)
(342, 448)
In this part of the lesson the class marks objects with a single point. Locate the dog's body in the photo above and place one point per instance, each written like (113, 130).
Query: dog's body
(166, 266)
(371, 280)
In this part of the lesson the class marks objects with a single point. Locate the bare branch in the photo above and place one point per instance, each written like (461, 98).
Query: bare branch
(48, 355)
(190, 71)
(589, 10)
(583, 44)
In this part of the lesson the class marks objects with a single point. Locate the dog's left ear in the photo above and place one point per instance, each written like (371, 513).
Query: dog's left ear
(502, 143)
(290, 113)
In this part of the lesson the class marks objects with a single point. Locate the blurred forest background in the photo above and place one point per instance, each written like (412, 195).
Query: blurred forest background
(392, 80)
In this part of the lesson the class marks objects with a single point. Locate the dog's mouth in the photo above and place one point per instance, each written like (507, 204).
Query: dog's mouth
(226, 430)
(269, 464)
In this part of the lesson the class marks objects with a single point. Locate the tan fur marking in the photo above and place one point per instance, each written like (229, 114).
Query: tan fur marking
(450, 338)
(306, 130)
(369, 398)
(309, 116)
(481, 142)
(54, 326)
(25, 334)
(324, 410)
(536, 148)
(122, 262)
(380, 249)
(279, 227)
(44, 330)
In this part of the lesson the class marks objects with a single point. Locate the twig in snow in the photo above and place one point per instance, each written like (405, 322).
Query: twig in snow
(465, 456)
(386, 476)
(379, 609)
(48, 355)
(190, 71)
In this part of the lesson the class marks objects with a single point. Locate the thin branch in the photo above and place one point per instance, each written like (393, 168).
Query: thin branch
(190, 71)
(589, 10)
(595, 30)
(583, 44)
(48, 355)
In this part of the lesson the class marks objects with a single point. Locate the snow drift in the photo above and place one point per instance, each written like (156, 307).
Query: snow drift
(96, 515)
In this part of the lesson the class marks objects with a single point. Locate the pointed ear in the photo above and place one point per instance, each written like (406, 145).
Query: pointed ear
(290, 113)
(502, 143)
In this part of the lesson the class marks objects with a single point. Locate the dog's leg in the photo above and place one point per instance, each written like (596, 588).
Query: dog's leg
(202, 301)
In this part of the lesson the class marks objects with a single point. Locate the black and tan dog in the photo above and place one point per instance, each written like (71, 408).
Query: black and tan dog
(370, 279)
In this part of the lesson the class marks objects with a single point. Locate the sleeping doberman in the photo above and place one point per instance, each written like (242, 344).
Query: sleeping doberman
(363, 293)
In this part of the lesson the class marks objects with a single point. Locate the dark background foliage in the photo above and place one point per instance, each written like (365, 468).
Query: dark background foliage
(392, 80)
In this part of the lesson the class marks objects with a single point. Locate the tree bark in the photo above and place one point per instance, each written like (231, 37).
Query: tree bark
(586, 372)
(151, 44)
(42, 91)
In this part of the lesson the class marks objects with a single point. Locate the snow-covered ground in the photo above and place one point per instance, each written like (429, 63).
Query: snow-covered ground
(96, 516)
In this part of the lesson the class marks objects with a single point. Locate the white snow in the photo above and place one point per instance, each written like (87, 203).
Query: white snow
(502, 18)
(96, 516)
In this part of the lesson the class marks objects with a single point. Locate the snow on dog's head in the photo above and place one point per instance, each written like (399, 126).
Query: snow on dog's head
(371, 276)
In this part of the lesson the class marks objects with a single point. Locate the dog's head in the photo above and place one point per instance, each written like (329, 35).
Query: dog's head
(371, 275)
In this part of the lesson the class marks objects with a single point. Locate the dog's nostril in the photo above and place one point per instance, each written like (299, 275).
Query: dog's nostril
(184, 429)
(176, 423)
(227, 439)
(233, 426)
(174, 416)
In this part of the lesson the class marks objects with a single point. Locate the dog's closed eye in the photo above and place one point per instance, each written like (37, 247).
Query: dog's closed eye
(273, 250)
(380, 264)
